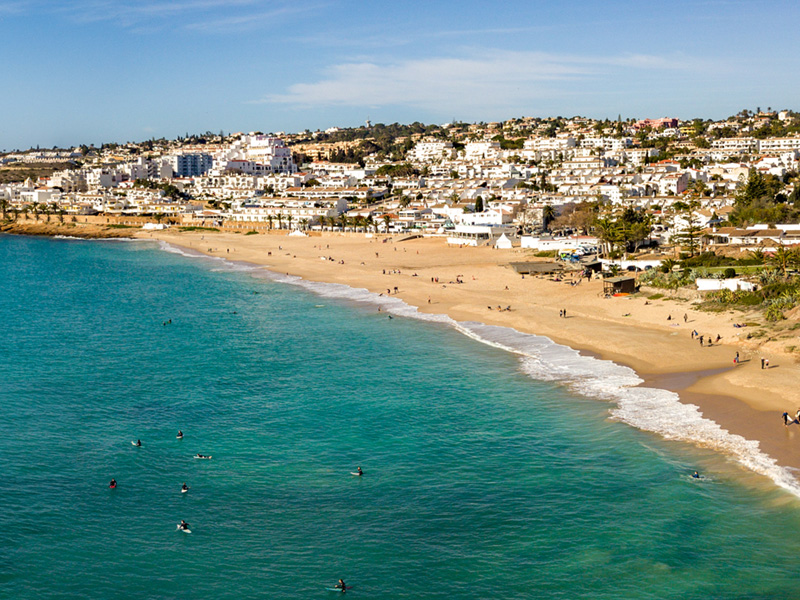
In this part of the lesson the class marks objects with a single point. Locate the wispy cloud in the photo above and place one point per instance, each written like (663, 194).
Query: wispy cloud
(14, 8)
(490, 78)
(209, 16)
(247, 21)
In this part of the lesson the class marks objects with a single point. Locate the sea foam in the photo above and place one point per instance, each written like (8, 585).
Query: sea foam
(650, 409)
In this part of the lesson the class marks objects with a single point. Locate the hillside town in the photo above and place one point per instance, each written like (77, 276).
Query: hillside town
(552, 185)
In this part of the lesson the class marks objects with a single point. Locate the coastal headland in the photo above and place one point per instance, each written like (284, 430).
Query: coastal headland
(650, 336)
(83, 230)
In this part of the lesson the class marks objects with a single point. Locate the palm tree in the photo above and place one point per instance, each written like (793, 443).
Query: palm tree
(35, 209)
(387, 220)
(304, 224)
(4, 207)
(343, 220)
(289, 221)
(783, 258)
(270, 218)
(370, 222)
(358, 221)
(280, 221)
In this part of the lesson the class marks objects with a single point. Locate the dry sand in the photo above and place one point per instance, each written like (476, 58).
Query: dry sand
(632, 331)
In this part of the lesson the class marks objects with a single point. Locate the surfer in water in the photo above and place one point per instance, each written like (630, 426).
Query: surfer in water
(113, 483)
(341, 586)
(184, 525)
(180, 434)
(185, 487)
(360, 472)
(696, 475)
(139, 443)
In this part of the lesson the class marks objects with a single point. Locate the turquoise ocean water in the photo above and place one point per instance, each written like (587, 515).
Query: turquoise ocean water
(481, 479)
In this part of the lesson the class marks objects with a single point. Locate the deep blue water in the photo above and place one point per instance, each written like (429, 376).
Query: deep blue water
(479, 481)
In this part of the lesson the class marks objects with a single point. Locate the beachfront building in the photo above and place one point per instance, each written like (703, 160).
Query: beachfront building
(479, 235)
(575, 244)
(284, 212)
(321, 192)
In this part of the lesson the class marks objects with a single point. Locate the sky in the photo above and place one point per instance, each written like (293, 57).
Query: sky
(96, 71)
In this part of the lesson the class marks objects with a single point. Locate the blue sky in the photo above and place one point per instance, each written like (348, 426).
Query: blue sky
(93, 71)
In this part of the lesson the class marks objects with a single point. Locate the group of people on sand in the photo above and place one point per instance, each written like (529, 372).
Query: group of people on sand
(701, 338)
(788, 420)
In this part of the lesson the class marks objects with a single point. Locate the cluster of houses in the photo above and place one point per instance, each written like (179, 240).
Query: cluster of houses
(469, 186)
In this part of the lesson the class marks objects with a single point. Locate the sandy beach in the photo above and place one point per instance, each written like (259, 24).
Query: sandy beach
(651, 336)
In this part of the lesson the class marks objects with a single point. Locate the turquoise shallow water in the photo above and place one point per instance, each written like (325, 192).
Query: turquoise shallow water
(479, 481)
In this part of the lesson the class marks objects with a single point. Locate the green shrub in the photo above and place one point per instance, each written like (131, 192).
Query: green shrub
(729, 273)
(774, 313)
(252, 232)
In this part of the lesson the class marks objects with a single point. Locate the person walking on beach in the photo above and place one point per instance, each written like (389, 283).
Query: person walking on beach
(685, 318)
(762, 364)
(701, 340)
(786, 420)
(736, 359)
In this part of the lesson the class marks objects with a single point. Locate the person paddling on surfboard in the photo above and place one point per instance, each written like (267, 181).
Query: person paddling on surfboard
(180, 434)
(185, 488)
(696, 475)
(138, 442)
(184, 525)
(360, 472)
(341, 586)
(113, 483)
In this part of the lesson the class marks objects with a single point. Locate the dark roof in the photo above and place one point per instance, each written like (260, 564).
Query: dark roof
(536, 267)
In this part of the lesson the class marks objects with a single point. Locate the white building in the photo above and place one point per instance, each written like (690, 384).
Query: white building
(485, 150)
(256, 154)
(777, 145)
(431, 151)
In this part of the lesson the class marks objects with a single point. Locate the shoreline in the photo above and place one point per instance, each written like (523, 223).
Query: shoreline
(744, 400)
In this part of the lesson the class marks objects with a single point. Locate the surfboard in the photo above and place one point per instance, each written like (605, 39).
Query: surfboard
(184, 491)
(112, 487)
(356, 474)
(134, 444)
(180, 437)
(347, 587)
(203, 457)
(184, 530)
